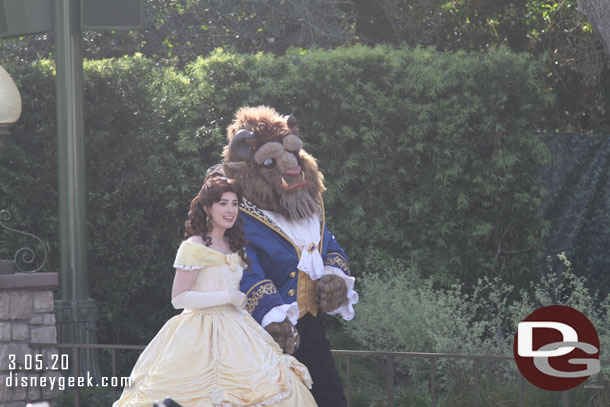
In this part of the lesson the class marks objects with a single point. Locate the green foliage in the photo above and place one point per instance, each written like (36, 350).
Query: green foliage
(497, 391)
(443, 146)
(182, 30)
(400, 311)
(428, 157)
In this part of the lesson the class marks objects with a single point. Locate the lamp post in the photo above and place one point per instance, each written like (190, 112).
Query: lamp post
(10, 104)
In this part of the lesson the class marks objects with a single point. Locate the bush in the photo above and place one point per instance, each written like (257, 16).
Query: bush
(400, 311)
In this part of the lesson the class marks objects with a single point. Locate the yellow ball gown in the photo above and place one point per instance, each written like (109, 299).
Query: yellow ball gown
(217, 356)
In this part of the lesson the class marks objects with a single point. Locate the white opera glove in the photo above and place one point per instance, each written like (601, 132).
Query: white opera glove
(199, 299)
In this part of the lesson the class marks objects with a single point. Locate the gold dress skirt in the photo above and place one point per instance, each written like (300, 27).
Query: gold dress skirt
(217, 356)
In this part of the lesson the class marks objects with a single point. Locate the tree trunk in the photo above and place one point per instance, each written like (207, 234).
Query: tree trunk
(598, 15)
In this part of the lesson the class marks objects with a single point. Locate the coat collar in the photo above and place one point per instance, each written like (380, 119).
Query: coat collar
(252, 210)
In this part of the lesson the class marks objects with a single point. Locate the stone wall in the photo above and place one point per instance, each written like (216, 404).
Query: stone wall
(27, 317)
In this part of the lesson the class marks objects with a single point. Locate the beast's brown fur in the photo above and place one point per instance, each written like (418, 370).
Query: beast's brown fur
(260, 184)
(332, 292)
(285, 334)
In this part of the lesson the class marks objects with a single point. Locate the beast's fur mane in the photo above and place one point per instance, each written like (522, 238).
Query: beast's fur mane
(261, 185)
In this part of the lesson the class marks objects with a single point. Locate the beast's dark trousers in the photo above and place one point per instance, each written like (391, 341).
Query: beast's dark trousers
(314, 352)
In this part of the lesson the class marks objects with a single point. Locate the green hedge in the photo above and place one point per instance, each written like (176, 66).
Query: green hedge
(429, 157)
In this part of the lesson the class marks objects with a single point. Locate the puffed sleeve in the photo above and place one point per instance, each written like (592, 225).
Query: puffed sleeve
(193, 256)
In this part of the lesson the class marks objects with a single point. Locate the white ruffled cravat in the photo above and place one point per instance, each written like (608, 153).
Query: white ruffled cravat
(305, 233)
(311, 262)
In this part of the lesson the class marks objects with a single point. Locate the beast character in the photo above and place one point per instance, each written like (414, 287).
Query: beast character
(297, 267)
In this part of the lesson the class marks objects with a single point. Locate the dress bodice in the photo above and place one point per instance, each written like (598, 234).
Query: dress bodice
(217, 271)
(214, 278)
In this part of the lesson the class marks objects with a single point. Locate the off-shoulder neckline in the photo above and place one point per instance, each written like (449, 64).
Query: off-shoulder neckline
(209, 248)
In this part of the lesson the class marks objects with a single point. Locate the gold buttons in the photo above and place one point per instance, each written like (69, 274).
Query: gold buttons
(291, 292)
(293, 274)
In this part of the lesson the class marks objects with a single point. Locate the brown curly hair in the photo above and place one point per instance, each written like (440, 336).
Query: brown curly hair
(214, 185)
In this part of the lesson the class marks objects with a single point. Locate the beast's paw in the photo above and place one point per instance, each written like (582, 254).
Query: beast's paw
(285, 334)
(332, 292)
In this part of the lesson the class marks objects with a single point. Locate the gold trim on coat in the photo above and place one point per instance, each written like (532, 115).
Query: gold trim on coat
(265, 287)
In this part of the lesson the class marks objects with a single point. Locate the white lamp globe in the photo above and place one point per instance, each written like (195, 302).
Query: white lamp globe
(10, 100)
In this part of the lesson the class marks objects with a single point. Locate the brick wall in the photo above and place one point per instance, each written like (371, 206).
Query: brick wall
(26, 317)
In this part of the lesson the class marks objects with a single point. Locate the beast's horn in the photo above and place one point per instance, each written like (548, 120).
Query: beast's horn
(239, 145)
(292, 122)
